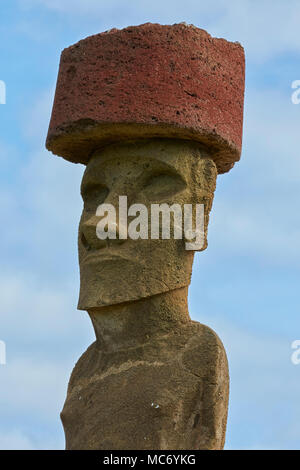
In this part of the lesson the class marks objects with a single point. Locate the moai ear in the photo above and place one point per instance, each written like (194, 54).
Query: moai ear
(203, 175)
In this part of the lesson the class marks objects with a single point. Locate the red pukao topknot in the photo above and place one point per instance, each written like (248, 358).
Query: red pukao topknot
(149, 81)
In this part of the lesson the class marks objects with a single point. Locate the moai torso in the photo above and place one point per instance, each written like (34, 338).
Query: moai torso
(170, 393)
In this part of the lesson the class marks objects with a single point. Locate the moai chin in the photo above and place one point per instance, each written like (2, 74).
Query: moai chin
(155, 113)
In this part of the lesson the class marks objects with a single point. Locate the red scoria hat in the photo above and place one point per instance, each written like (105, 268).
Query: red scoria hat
(149, 81)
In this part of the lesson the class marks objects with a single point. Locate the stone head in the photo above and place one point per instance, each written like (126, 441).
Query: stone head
(153, 172)
(155, 112)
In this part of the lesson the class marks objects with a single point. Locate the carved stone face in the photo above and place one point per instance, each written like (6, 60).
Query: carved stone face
(114, 271)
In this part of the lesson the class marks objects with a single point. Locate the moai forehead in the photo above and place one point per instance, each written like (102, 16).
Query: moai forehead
(187, 162)
(149, 81)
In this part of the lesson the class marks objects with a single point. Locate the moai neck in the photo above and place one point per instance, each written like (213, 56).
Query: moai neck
(132, 324)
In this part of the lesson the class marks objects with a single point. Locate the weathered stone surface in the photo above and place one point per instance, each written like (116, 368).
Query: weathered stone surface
(148, 382)
(147, 172)
(149, 81)
(153, 379)
(155, 112)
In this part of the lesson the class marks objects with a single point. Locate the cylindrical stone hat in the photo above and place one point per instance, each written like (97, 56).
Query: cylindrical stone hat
(149, 81)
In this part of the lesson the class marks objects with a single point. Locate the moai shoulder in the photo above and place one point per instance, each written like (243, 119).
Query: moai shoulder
(171, 393)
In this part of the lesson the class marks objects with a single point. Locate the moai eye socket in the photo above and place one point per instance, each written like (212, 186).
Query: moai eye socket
(163, 185)
(93, 195)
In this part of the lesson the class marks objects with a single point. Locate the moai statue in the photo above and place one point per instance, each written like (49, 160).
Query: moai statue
(155, 113)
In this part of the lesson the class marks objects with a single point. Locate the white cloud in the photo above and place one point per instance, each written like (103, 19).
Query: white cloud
(33, 391)
(265, 27)
(15, 440)
(254, 210)
(33, 387)
(264, 387)
(37, 116)
(33, 312)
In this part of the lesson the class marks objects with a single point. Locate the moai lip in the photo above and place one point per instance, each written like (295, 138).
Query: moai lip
(156, 113)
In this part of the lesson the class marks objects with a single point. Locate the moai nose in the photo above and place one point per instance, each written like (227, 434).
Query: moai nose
(96, 236)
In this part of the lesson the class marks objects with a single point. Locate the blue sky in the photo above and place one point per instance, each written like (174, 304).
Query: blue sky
(246, 284)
